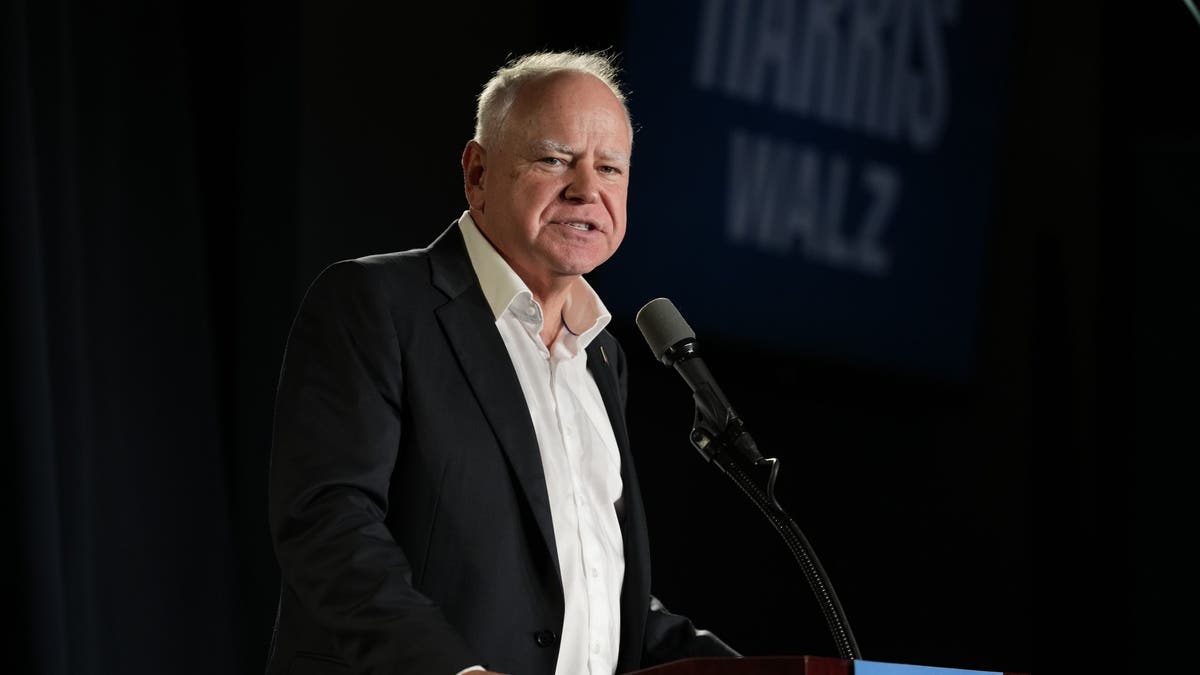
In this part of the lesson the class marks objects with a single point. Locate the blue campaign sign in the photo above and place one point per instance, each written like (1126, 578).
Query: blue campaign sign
(815, 175)
(881, 668)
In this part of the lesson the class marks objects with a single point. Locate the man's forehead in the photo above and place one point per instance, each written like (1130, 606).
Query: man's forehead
(532, 100)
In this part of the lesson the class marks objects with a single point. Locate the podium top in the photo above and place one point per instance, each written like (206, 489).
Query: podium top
(800, 665)
(752, 665)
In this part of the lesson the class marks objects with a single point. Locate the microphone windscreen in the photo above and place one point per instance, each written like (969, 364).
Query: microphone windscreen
(663, 326)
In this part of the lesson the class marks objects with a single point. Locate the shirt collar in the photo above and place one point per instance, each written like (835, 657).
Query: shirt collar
(583, 311)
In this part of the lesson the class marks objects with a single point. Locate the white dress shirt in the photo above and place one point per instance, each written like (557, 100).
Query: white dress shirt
(579, 452)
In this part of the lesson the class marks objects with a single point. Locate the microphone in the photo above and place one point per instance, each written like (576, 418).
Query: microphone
(674, 344)
(717, 427)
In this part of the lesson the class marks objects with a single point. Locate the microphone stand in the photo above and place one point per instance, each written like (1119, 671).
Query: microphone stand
(734, 452)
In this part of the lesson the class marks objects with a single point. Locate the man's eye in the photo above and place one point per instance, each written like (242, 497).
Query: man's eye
(610, 170)
(551, 161)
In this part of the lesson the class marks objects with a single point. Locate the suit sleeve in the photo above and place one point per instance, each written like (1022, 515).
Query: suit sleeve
(671, 636)
(336, 433)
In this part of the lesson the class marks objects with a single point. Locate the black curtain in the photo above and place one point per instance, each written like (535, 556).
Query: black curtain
(129, 302)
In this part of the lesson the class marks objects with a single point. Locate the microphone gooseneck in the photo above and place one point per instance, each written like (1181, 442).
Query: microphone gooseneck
(719, 434)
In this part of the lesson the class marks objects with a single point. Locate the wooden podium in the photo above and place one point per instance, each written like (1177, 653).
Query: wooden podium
(753, 665)
(800, 665)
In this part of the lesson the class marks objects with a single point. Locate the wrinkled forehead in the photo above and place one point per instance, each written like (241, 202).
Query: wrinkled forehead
(562, 98)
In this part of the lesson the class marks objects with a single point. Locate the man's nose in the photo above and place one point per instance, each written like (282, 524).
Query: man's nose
(584, 186)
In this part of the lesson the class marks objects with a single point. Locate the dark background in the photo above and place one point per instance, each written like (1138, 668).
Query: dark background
(175, 173)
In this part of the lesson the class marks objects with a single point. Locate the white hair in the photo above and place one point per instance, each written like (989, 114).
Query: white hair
(501, 90)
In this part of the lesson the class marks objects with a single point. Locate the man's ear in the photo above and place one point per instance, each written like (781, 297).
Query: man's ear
(474, 164)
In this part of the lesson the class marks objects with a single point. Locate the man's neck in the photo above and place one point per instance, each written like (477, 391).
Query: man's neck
(552, 303)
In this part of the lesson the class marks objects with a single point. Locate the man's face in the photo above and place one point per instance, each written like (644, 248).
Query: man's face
(549, 191)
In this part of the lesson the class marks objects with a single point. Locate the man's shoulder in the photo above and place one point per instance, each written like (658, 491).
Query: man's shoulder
(395, 262)
(378, 269)
(402, 262)
(402, 277)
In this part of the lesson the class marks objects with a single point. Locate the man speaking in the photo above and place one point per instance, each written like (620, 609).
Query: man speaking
(451, 486)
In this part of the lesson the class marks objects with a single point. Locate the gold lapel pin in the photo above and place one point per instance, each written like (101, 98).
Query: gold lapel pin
(603, 355)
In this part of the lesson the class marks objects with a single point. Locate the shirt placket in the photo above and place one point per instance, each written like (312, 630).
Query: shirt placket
(571, 419)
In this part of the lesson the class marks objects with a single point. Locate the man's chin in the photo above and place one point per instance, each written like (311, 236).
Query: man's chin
(578, 265)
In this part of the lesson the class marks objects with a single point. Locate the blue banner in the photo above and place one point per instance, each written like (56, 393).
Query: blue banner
(815, 175)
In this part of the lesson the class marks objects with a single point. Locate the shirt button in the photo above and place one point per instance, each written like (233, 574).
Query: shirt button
(595, 573)
(596, 648)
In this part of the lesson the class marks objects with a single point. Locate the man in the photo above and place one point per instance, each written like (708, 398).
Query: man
(451, 485)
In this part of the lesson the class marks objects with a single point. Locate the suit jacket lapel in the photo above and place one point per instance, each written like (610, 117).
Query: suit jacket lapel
(605, 375)
(471, 330)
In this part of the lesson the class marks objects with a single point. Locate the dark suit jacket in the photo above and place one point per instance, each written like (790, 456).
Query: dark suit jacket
(408, 508)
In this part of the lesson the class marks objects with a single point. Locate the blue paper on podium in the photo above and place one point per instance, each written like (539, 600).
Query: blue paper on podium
(877, 668)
